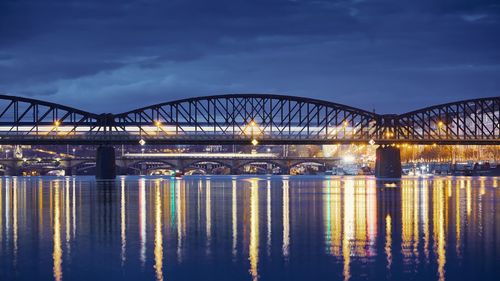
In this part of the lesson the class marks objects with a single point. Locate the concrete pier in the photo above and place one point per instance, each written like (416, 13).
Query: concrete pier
(388, 162)
(105, 163)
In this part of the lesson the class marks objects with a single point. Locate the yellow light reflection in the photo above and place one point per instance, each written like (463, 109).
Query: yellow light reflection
(142, 219)
(67, 214)
(158, 252)
(371, 214)
(254, 229)
(57, 251)
(410, 218)
(360, 219)
(181, 217)
(457, 220)
(439, 213)
(349, 232)
(425, 217)
(286, 219)
(388, 241)
(336, 219)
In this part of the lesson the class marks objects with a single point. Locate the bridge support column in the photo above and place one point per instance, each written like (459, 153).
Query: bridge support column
(285, 170)
(105, 163)
(388, 162)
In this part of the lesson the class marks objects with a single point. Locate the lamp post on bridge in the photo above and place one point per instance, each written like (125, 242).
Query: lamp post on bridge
(440, 125)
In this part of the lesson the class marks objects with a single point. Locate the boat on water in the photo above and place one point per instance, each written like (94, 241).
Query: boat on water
(57, 173)
(349, 170)
(478, 169)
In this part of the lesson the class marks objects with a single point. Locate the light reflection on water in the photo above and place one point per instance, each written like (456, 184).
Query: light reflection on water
(240, 228)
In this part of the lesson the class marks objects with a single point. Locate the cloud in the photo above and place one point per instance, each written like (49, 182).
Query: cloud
(91, 54)
(474, 18)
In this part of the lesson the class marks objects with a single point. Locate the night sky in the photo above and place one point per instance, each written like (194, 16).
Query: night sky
(116, 55)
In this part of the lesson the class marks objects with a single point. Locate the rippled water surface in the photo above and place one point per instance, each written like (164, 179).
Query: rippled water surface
(243, 228)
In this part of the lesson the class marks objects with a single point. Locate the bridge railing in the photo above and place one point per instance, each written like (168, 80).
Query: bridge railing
(244, 118)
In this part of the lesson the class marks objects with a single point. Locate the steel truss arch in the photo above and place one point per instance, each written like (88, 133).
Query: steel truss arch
(247, 118)
(36, 119)
(474, 120)
(242, 117)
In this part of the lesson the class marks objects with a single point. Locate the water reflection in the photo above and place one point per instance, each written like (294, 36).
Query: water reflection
(351, 228)
(286, 218)
(57, 253)
(142, 220)
(158, 234)
(123, 221)
(254, 229)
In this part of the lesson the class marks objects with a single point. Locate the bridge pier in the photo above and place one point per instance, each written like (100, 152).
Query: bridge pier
(388, 162)
(105, 163)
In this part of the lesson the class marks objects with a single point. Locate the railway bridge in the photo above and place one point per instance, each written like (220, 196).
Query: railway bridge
(251, 119)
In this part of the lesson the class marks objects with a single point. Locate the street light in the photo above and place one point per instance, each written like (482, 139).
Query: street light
(440, 125)
(74, 150)
(158, 126)
(57, 123)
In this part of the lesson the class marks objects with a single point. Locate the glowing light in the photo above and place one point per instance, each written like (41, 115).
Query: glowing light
(142, 142)
(388, 241)
(348, 158)
(255, 142)
(142, 220)
(203, 155)
(57, 123)
(253, 250)
(440, 124)
(371, 142)
(157, 123)
(57, 251)
(158, 242)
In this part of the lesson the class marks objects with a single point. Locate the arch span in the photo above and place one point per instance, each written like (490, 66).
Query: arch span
(42, 119)
(474, 119)
(248, 116)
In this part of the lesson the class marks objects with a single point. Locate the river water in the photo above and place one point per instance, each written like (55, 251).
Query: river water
(249, 228)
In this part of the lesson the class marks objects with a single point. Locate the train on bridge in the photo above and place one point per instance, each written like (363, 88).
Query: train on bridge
(250, 119)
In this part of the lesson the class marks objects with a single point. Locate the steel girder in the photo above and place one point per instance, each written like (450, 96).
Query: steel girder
(241, 118)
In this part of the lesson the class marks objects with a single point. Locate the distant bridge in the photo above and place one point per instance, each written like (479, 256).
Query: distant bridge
(247, 118)
(180, 162)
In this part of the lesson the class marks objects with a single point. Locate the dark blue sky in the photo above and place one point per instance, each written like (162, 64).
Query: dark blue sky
(115, 55)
